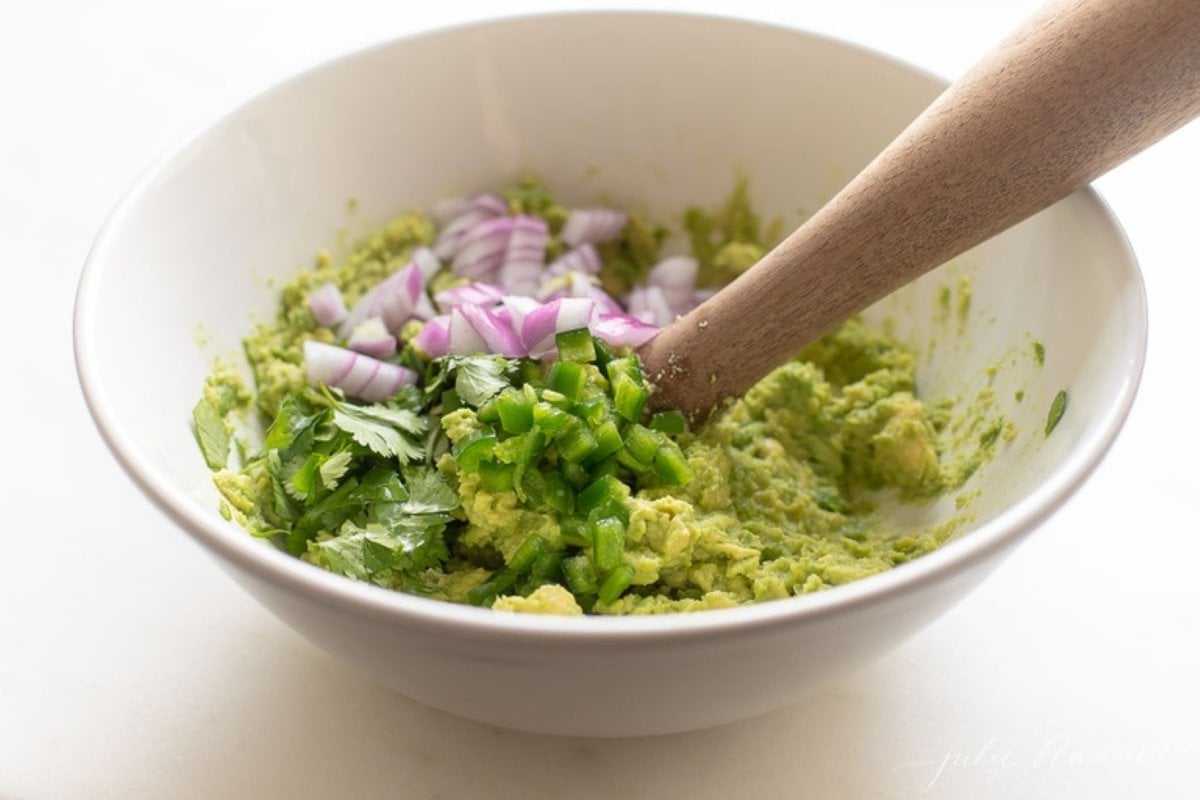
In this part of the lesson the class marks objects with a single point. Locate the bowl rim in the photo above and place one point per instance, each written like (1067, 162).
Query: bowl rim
(288, 573)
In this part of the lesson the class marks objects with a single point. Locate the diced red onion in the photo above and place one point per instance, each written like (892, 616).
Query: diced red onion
(481, 251)
(466, 215)
(463, 339)
(371, 337)
(434, 338)
(649, 304)
(497, 337)
(357, 375)
(327, 305)
(481, 294)
(605, 304)
(583, 258)
(518, 307)
(592, 225)
(676, 277)
(503, 314)
(445, 211)
(565, 314)
(525, 256)
(427, 262)
(623, 330)
(399, 298)
(538, 328)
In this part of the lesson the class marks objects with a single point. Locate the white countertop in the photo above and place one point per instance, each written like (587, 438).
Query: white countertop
(131, 667)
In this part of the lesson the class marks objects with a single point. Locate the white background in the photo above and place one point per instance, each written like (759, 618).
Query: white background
(130, 667)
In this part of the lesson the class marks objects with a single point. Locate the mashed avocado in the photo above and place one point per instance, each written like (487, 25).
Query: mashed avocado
(783, 495)
(438, 493)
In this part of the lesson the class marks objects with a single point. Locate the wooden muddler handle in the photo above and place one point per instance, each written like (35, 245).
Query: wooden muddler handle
(1081, 87)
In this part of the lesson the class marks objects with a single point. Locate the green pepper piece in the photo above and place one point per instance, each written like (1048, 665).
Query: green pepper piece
(474, 449)
(526, 553)
(581, 576)
(607, 487)
(671, 465)
(530, 373)
(532, 488)
(671, 422)
(627, 460)
(608, 543)
(532, 444)
(606, 467)
(611, 507)
(615, 583)
(486, 593)
(575, 531)
(548, 565)
(557, 399)
(567, 378)
(523, 560)
(575, 474)
(488, 412)
(575, 345)
(515, 408)
(557, 492)
(627, 366)
(608, 441)
(575, 441)
(548, 418)
(604, 353)
(643, 443)
(495, 477)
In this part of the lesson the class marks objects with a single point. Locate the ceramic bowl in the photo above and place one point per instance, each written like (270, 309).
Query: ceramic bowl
(648, 111)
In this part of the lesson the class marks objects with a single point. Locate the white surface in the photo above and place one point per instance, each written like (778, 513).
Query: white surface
(131, 667)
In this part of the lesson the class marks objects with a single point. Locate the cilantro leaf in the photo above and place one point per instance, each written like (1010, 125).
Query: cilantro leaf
(334, 468)
(480, 378)
(384, 430)
(318, 474)
(328, 514)
(292, 428)
(429, 493)
(211, 433)
(402, 533)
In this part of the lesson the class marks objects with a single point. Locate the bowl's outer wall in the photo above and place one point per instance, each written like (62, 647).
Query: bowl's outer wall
(649, 111)
(598, 688)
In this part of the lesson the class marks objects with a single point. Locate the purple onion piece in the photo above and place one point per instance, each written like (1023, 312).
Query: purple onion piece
(466, 215)
(359, 376)
(583, 258)
(622, 330)
(481, 251)
(676, 277)
(327, 305)
(434, 338)
(591, 225)
(496, 335)
(371, 337)
(481, 294)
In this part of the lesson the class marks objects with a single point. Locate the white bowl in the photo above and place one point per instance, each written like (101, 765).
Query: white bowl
(653, 111)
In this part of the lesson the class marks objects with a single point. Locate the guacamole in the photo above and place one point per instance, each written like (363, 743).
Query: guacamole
(538, 483)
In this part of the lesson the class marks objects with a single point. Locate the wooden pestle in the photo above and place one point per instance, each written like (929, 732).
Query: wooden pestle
(1082, 86)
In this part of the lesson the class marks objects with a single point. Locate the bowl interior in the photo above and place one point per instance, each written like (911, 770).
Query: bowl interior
(652, 112)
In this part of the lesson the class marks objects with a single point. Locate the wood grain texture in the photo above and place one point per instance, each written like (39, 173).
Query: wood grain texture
(1081, 87)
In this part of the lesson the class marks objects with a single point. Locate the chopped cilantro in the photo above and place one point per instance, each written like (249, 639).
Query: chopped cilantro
(385, 430)
(1058, 407)
(211, 433)
(476, 379)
